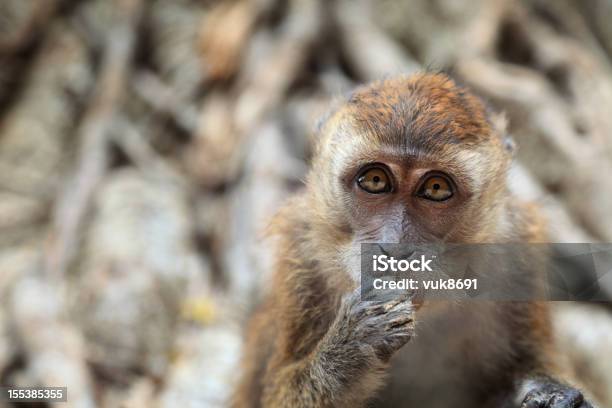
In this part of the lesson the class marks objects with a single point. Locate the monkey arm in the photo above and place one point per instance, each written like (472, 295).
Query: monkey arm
(538, 384)
(327, 378)
(348, 363)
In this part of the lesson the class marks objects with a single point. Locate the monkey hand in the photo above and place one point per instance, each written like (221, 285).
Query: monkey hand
(549, 393)
(372, 329)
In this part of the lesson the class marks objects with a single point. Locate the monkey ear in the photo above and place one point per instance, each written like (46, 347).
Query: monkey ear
(500, 126)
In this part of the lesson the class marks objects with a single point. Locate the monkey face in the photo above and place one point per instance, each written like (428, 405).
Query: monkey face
(411, 160)
(414, 206)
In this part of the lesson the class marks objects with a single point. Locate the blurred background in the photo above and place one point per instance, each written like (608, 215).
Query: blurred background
(144, 144)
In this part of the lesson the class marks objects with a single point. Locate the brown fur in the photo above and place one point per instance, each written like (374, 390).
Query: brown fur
(422, 121)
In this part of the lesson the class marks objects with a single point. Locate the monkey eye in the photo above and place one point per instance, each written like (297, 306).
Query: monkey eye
(436, 188)
(374, 180)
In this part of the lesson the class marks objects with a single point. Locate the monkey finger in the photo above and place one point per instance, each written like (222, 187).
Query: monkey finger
(379, 306)
(406, 307)
(391, 344)
(373, 309)
(390, 310)
(400, 322)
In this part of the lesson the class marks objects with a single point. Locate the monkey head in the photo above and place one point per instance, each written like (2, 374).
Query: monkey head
(410, 160)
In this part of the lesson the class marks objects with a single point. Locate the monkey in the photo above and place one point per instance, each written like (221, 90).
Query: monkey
(413, 158)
